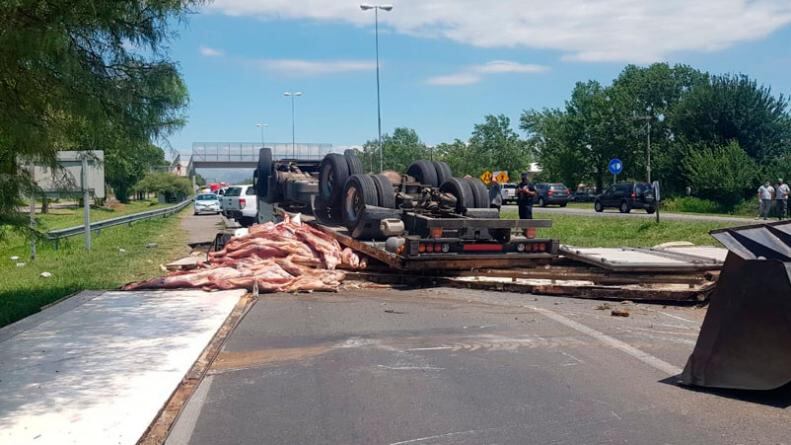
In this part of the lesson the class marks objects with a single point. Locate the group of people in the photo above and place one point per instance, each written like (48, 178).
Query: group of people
(777, 194)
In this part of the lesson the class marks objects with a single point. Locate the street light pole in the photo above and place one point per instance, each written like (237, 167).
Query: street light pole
(648, 120)
(262, 125)
(293, 95)
(376, 9)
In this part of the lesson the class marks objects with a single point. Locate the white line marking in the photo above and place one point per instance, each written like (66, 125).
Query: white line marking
(411, 368)
(644, 357)
(677, 317)
(433, 348)
(442, 436)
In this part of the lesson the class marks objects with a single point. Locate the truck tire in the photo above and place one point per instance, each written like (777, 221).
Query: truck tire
(443, 171)
(333, 173)
(264, 170)
(355, 165)
(479, 192)
(385, 191)
(325, 213)
(424, 172)
(461, 190)
(273, 193)
(358, 192)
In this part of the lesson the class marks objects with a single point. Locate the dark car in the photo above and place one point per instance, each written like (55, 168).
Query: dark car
(626, 196)
(549, 194)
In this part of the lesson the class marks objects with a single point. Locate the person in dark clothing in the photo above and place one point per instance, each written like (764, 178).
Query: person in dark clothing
(525, 193)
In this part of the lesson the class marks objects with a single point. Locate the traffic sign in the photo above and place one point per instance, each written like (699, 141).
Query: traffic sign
(486, 177)
(501, 176)
(616, 166)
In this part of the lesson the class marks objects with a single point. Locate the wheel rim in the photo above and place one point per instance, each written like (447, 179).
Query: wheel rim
(329, 183)
(354, 204)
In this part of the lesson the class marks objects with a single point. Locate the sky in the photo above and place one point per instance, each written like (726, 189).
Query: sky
(445, 64)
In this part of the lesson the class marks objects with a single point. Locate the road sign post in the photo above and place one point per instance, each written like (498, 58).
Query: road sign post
(657, 198)
(615, 167)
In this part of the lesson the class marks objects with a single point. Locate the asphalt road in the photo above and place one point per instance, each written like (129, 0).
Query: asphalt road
(449, 366)
(201, 228)
(636, 214)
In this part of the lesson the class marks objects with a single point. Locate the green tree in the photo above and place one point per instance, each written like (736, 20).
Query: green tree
(494, 145)
(724, 174)
(124, 168)
(400, 149)
(174, 188)
(83, 75)
(558, 156)
(459, 156)
(735, 108)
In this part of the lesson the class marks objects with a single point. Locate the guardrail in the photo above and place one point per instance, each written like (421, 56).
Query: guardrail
(57, 235)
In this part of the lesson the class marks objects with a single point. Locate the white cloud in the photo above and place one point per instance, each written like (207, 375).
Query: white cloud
(601, 30)
(210, 52)
(475, 73)
(297, 67)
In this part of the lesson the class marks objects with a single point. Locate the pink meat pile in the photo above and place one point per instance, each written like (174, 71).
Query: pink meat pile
(282, 257)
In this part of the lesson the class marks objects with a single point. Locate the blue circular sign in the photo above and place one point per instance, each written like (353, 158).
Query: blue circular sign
(616, 166)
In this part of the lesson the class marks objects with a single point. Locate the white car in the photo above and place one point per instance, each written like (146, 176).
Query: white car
(206, 203)
(508, 192)
(240, 203)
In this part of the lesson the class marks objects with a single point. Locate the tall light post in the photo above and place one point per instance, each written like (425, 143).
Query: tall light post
(292, 95)
(648, 118)
(262, 125)
(376, 8)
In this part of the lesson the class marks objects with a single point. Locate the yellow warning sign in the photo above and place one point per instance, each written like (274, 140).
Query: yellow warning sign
(501, 176)
(486, 177)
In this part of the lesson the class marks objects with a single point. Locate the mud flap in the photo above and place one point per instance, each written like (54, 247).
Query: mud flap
(745, 340)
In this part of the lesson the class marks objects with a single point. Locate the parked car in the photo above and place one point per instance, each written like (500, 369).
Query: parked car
(206, 203)
(626, 196)
(584, 195)
(549, 194)
(508, 192)
(240, 203)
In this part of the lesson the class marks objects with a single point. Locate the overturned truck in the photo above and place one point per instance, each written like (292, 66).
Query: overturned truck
(424, 213)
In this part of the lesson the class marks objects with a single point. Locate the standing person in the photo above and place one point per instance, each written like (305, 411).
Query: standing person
(525, 193)
(765, 194)
(496, 195)
(781, 198)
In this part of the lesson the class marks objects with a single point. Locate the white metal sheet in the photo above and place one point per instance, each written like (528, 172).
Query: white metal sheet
(99, 371)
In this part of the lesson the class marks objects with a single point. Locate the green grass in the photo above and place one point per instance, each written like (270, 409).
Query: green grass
(60, 218)
(23, 291)
(593, 231)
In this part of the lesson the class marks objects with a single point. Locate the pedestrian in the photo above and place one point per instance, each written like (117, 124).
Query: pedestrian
(496, 195)
(526, 192)
(781, 198)
(765, 195)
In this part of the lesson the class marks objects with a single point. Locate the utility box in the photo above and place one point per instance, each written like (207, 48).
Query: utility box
(66, 179)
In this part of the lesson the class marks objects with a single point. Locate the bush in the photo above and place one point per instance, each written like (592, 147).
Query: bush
(174, 188)
(724, 174)
(691, 204)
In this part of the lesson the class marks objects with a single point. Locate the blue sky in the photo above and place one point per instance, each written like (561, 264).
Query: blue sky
(445, 63)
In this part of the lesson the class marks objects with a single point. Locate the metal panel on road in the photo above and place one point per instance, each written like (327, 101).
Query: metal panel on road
(640, 260)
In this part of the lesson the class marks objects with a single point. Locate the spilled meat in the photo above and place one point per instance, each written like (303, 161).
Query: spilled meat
(283, 257)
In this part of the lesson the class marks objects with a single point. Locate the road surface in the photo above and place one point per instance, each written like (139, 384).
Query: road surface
(201, 228)
(637, 214)
(449, 366)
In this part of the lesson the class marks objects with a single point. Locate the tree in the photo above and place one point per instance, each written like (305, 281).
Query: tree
(494, 145)
(83, 75)
(724, 174)
(459, 157)
(735, 108)
(124, 168)
(174, 188)
(559, 157)
(400, 149)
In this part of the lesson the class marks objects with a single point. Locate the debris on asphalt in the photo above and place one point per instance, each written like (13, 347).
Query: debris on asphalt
(603, 307)
(619, 312)
(285, 257)
(391, 311)
(46, 274)
(627, 302)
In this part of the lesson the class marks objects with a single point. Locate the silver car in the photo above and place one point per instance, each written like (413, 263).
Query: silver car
(207, 203)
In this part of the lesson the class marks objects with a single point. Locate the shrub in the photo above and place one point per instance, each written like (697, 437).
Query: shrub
(724, 174)
(691, 204)
(174, 188)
